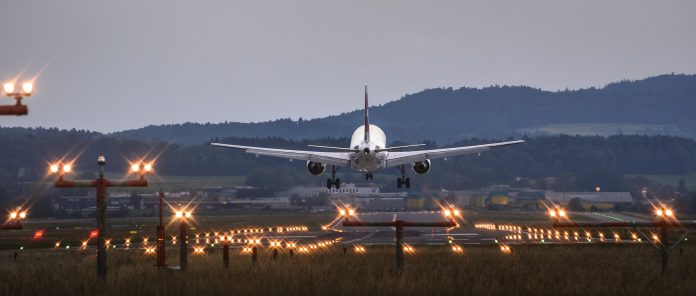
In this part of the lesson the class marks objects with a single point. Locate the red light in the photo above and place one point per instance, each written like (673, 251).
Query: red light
(93, 233)
(38, 234)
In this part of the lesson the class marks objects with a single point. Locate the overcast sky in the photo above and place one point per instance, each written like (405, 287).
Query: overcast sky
(113, 65)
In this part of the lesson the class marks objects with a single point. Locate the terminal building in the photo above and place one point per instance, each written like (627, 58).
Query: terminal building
(348, 189)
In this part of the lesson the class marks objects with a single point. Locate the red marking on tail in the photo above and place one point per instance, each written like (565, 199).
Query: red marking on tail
(367, 121)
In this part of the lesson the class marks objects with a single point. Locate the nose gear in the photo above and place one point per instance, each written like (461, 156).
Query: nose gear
(333, 181)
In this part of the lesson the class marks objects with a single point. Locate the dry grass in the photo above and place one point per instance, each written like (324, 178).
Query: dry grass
(533, 270)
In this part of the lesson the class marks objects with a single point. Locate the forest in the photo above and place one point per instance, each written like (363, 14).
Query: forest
(553, 162)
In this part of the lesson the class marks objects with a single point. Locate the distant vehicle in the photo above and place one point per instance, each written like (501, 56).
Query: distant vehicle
(368, 152)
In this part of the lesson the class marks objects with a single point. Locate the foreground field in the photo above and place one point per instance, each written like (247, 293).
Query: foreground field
(533, 270)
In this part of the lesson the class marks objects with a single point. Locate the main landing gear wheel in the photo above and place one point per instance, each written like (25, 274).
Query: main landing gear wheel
(333, 181)
(368, 176)
(403, 181)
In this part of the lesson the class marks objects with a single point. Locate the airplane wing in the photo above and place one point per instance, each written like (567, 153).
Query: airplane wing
(399, 158)
(333, 158)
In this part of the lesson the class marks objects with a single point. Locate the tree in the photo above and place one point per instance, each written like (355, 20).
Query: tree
(575, 205)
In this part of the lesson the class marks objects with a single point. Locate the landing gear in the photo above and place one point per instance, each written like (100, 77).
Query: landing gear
(403, 181)
(333, 181)
(368, 176)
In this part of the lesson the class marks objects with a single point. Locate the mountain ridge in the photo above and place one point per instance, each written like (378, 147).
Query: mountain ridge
(651, 106)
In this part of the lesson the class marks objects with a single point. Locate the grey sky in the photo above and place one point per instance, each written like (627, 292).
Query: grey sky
(113, 65)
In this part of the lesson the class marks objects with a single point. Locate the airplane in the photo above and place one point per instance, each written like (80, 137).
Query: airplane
(367, 153)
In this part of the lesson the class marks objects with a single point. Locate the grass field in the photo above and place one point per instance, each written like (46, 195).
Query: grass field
(533, 270)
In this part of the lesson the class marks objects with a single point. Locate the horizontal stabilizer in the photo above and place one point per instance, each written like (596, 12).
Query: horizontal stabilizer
(334, 148)
(398, 147)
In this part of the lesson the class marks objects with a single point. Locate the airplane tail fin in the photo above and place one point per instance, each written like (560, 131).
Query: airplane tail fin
(367, 121)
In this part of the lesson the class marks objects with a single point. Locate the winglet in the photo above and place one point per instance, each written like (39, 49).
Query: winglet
(367, 121)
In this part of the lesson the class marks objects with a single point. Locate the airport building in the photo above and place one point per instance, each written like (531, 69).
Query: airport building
(348, 189)
(506, 197)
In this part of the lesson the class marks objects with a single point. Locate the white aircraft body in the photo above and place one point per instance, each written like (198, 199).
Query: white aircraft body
(368, 152)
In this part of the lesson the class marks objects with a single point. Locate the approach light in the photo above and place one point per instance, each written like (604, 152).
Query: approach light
(669, 213)
(9, 88)
(27, 88)
(141, 168)
(664, 212)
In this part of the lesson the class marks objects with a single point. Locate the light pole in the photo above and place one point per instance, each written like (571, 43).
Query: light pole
(663, 215)
(101, 184)
(160, 234)
(183, 215)
(226, 239)
(10, 90)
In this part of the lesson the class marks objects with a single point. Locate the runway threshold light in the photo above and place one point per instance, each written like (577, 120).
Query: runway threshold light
(450, 212)
(347, 212)
(664, 212)
(505, 249)
(557, 212)
(18, 214)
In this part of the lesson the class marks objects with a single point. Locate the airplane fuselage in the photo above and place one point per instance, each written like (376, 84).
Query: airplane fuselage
(367, 159)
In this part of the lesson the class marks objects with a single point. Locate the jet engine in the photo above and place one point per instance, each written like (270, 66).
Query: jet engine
(315, 168)
(421, 167)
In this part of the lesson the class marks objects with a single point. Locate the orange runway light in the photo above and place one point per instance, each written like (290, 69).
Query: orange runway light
(360, 249)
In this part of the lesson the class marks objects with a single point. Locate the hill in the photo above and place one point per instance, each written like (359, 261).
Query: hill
(656, 105)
